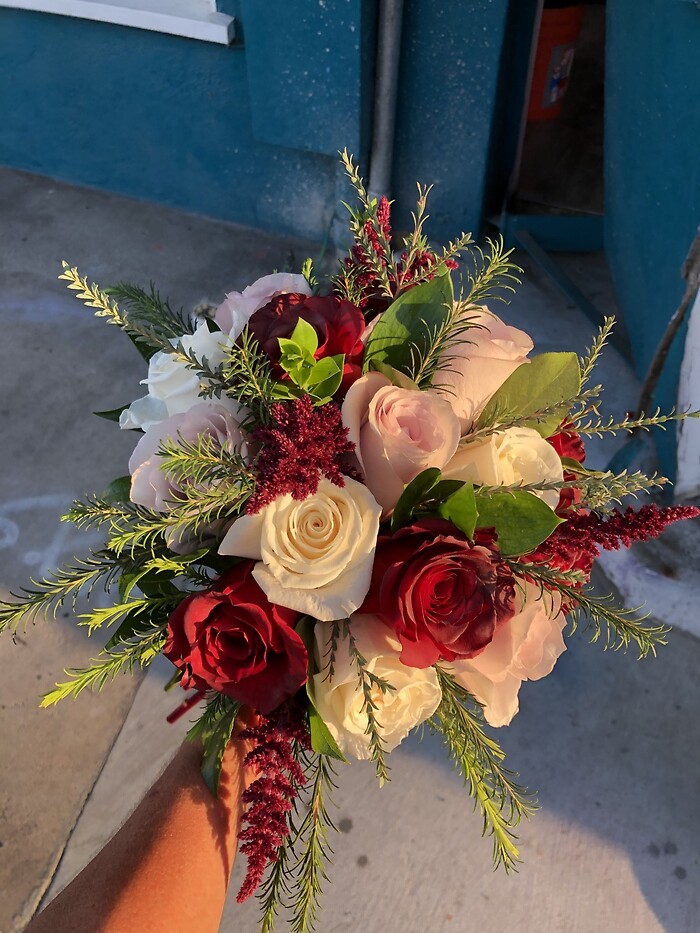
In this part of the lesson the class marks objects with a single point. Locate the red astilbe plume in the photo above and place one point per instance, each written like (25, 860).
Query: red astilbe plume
(373, 300)
(270, 798)
(576, 543)
(303, 444)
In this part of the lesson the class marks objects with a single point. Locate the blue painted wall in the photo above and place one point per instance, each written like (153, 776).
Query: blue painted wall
(157, 117)
(652, 165)
(249, 133)
(449, 78)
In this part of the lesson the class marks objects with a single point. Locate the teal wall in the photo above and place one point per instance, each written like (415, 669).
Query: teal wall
(652, 166)
(250, 133)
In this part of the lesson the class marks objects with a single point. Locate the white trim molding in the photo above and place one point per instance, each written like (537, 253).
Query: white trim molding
(192, 19)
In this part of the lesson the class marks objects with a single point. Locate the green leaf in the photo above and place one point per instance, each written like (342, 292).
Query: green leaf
(305, 337)
(397, 378)
(521, 519)
(326, 368)
(118, 490)
(322, 741)
(215, 742)
(414, 493)
(132, 623)
(408, 327)
(460, 509)
(325, 378)
(543, 383)
(113, 413)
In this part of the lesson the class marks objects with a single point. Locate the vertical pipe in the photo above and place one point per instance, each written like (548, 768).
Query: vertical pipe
(385, 97)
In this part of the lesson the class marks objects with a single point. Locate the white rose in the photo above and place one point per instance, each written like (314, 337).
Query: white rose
(314, 555)
(340, 700)
(525, 648)
(235, 311)
(173, 387)
(479, 362)
(514, 456)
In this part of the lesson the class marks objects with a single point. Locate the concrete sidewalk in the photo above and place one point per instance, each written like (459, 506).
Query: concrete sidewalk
(611, 745)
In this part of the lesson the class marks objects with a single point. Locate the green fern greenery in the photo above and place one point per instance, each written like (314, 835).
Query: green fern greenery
(479, 760)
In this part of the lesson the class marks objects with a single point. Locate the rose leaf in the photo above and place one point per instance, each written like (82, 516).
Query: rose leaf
(113, 413)
(405, 334)
(118, 490)
(414, 493)
(397, 378)
(543, 383)
(322, 741)
(522, 520)
(460, 509)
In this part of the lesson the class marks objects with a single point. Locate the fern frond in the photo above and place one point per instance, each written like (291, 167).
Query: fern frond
(44, 597)
(136, 652)
(630, 423)
(489, 274)
(309, 872)
(617, 628)
(479, 760)
(151, 309)
(369, 680)
(587, 363)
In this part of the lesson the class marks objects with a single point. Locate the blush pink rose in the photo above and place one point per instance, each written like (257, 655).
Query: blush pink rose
(398, 433)
(479, 363)
(235, 311)
(150, 486)
(525, 648)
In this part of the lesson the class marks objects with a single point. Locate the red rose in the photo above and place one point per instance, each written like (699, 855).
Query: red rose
(338, 324)
(568, 443)
(233, 640)
(442, 594)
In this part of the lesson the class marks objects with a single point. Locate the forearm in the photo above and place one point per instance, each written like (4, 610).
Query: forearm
(168, 867)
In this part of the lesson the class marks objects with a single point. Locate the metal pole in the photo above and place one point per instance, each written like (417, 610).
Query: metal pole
(386, 91)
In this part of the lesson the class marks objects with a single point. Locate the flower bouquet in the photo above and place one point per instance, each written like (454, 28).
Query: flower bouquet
(357, 513)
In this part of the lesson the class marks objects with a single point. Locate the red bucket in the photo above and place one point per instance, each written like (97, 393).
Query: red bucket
(559, 31)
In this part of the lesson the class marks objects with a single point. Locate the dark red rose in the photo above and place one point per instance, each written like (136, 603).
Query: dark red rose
(338, 324)
(568, 443)
(442, 594)
(233, 640)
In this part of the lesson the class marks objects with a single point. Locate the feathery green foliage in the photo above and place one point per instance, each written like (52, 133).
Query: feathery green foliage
(617, 628)
(44, 598)
(369, 681)
(588, 362)
(489, 274)
(136, 652)
(149, 308)
(600, 426)
(479, 760)
(309, 871)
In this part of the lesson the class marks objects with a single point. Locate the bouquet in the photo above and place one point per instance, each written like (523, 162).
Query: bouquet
(357, 511)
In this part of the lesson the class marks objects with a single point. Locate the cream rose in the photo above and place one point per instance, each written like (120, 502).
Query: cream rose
(340, 701)
(525, 648)
(235, 311)
(173, 386)
(479, 363)
(398, 433)
(514, 456)
(314, 555)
